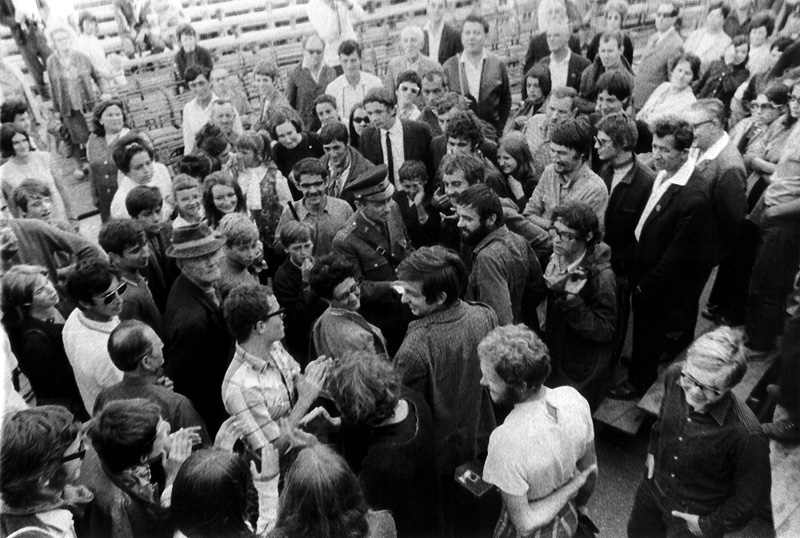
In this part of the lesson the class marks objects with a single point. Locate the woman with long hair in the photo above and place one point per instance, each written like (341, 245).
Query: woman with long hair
(221, 196)
(323, 498)
(110, 124)
(516, 165)
(358, 120)
(34, 327)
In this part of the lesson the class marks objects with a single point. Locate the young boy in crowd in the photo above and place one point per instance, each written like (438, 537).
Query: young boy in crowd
(325, 109)
(292, 291)
(125, 242)
(35, 201)
(421, 220)
(188, 198)
(242, 252)
(144, 205)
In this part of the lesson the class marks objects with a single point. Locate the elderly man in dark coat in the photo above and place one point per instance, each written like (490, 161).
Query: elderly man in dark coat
(198, 343)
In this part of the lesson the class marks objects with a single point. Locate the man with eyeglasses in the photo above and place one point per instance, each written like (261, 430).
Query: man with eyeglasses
(670, 262)
(263, 383)
(663, 45)
(137, 351)
(708, 469)
(97, 291)
(722, 167)
(198, 343)
(325, 214)
(308, 81)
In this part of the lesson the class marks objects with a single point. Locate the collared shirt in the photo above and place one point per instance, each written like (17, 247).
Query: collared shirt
(260, 390)
(434, 39)
(332, 218)
(660, 186)
(785, 182)
(536, 449)
(715, 149)
(347, 95)
(338, 177)
(195, 117)
(398, 151)
(559, 71)
(714, 463)
(473, 73)
(550, 192)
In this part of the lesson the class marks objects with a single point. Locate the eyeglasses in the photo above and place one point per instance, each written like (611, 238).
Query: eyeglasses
(794, 99)
(315, 185)
(280, 312)
(351, 291)
(79, 455)
(563, 235)
(688, 381)
(109, 297)
(364, 119)
(314, 51)
(763, 106)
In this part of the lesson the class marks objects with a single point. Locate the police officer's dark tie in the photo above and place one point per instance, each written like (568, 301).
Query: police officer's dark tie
(389, 158)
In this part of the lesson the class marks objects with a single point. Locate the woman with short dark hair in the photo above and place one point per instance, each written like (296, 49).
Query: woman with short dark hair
(135, 158)
(292, 144)
(110, 124)
(40, 461)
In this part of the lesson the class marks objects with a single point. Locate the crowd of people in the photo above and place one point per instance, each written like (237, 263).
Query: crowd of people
(388, 306)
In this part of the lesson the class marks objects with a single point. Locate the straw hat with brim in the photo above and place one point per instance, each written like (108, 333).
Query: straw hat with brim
(373, 185)
(193, 241)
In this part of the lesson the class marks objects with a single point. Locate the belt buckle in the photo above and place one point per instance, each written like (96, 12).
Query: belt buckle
(381, 251)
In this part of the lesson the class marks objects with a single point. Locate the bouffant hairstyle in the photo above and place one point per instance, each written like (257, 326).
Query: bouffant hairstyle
(285, 115)
(7, 133)
(12, 108)
(127, 148)
(541, 73)
(100, 108)
(328, 272)
(693, 61)
(365, 388)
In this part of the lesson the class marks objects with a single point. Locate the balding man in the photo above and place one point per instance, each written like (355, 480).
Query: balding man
(411, 40)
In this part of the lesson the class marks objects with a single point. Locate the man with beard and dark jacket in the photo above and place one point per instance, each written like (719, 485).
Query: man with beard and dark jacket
(505, 272)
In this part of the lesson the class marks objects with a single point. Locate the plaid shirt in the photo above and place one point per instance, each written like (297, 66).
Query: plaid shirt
(259, 391)
(715, 463)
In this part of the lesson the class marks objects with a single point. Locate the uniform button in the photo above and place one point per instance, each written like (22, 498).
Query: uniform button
(680, 438)
(675, 458)
(688, 419)
(672, 475)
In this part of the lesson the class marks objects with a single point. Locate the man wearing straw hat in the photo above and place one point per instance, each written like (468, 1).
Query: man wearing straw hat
(198, 343)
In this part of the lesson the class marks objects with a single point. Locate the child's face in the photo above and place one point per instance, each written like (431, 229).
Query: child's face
(150, 219)
(188, 42)
(134, 258)
(300, 252)
(245, 253)
(40, 208)
(411, 187)
(190, 204)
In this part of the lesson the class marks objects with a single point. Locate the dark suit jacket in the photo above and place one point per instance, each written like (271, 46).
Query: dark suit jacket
(670, 262)
(577, 64)
(416, 144)
(198, 350)
(449, 45)
(538, 49)
(494, 101)
(433, 122)
(625, 206)
(726, 181)
(358, 165)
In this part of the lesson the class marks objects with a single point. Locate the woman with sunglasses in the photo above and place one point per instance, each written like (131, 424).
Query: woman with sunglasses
(42, 451)
(358, 120)
(341, 329)
(34, 326)
(581, 302)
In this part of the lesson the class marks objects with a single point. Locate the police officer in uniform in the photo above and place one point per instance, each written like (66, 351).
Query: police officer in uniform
(375, 241)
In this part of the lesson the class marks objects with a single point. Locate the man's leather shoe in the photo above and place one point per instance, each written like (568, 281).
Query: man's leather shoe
(625, 391)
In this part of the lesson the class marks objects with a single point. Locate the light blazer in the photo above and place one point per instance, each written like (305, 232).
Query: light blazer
(653, 67)
(577, 64)
(416, 144)
(494, 101)
(449, 45)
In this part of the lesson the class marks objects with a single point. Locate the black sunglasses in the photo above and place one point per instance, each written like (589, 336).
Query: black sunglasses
(108, 298)
(281, 313)
(79, 455)
(365, 119)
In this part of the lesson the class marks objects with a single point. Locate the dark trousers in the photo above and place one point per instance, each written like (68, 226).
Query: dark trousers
(729, 294)
(650, 324)
(790, 367)
(651, 515)
(774, 270)
(34, 51)
(467, 516)
(623, 318)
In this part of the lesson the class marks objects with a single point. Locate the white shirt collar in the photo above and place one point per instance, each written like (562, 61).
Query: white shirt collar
(463, 57)
(681, 177)
(396, 129)
(715, 149)
(565, 61)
